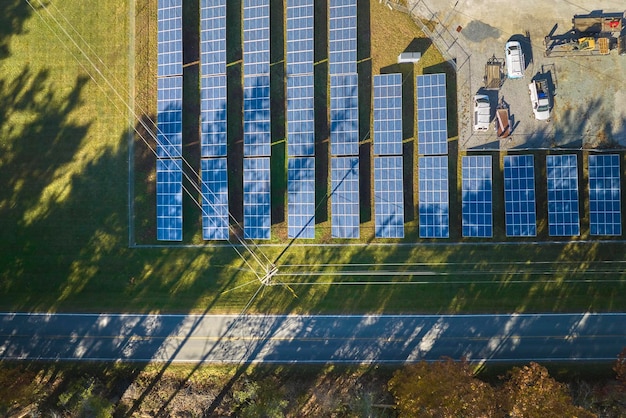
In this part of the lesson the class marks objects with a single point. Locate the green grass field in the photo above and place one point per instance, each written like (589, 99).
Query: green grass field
(64, 228)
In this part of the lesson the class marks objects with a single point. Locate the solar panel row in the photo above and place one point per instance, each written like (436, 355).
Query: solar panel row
(169, 181)
(434, 214)
(214, 173)
(169, 38)
(604, 195)
(169, 117)
(344, 175)
(300, 41)
(342, 37)
(388, 114)
(256, 198)
(300, 115)
(562, 173)
(519, 196)
(432, 120)
(388, 197)
(256, 37)
(256, 116)
(212, 37)
(477, 196)
(344, 114)
(301, 197)
(213, 115)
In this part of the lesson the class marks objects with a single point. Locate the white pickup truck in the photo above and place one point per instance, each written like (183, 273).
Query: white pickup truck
(515, 64)
(540, 99)
(482, 112)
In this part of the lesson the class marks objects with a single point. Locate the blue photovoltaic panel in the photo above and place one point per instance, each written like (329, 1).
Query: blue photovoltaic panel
(300, 37)
(256, 37)
(169, 117)
(342, 37)
(344, 114)
(388, 114)
(605, 211)
(169, 182)
(170, 38)
(344, 199)
(300, 115)
(212, 37)
(213, 113)
(477, 199)
(432, 121)
(256, 198)
(563, 219)
(256, 116)
(301, 197)
(388, 197)
(434, 209)
(214, 188)
(519, 196)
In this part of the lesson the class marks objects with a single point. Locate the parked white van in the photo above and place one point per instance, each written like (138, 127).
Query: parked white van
(514, 59)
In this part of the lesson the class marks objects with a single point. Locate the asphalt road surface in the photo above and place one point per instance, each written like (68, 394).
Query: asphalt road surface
(311, 339)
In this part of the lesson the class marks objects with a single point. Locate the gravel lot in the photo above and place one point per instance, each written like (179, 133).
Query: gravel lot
(589, 103)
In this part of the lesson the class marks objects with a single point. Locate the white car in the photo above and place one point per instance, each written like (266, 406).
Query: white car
(515, 65)
(482, 112)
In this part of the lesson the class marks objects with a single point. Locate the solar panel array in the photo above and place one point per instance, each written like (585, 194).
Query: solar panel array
(213, 114)
(432, 120)
(477, 196)
(519, 196)
(345, 197)
(169, 38)
(563, 217)
(212, 37)
(300, 115)
(300, 36)
(388, 197)
(169, 117)
(434, 209)
(256, 198)
(605, 195)
(388, 114)
(214, 189)
(342, 36)
(169, 174)
(256, 37)
(256, 116)
(301, 197)
(344, 114)
(169, 124)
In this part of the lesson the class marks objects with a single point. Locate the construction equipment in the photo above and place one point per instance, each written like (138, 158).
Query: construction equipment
(593, 34)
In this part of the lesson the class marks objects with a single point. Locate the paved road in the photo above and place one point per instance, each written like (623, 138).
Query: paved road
(311, 339)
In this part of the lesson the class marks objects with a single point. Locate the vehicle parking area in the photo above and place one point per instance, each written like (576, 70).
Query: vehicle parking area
(588, 95)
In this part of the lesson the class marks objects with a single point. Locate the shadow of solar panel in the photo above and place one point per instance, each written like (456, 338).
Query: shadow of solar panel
(388, 197)
(169, 38)
(477, 196)
(256, 198)
(388, 114)
(432, 120)
(434, 216)
(342, 36)
(563, 218)
(256, 116)
(213, 115)
(169, 117)
(301, 197)
(169, 183)
(519, 196)
(300, 33)
(300, 115)
(345, 197)
(212, 37)
(214, 188)
(256, 37)
(605, 212)
(344, 114)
